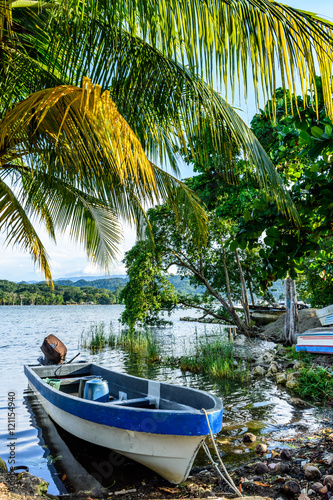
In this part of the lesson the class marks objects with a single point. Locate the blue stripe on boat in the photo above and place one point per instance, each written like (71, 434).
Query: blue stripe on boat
(311, 348)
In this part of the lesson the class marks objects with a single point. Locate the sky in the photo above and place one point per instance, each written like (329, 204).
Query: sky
(69, 259)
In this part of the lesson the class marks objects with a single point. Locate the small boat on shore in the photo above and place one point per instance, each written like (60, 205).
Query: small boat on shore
(159, 425)
(316, 340)
(325, 315)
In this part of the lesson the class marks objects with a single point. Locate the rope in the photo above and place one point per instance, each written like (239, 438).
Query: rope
(227, 477)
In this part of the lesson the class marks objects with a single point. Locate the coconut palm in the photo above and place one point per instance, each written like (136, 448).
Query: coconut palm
(83, 155)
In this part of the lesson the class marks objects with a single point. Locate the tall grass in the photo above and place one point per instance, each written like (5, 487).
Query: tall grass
(95, 337)
(141, 343)
(214, 357)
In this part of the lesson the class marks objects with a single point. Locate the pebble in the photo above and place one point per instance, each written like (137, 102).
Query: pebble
(275, 453)
(282, 468)
(261, 468)
(292, 488)
(317, 486)
(328, 459)
(258, 371)
(312, 473)
(207, 494)
(261, 448)
(281, 378)
(328, 481)
(249, 438)
(329, 438)
(285, 454)
(303, 497)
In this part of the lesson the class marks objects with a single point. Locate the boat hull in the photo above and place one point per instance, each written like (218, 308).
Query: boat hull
(144, 436)
(317, 340)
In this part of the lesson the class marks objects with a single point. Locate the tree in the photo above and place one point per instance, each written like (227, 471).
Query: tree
(301, 147)
(82, 154)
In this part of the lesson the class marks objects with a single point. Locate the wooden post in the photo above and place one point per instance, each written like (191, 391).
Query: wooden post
(291, 320)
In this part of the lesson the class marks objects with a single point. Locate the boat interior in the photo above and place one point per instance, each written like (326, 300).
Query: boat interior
(122, 389)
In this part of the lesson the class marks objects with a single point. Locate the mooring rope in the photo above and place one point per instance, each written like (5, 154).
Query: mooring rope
(227, 477)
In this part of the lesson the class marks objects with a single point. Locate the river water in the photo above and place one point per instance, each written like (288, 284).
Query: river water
(259, 407)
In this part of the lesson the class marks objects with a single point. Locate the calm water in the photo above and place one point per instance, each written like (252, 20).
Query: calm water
(64, 461)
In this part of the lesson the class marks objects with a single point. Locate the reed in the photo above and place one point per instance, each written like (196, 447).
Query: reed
(94, 338)
(212, 357)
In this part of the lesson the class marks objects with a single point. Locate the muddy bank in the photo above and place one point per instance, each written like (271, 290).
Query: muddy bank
(274, 332)
(299, 468)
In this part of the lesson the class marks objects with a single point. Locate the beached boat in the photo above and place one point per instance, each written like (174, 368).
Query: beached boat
(325, 315)
(157, 424)
(316, 340)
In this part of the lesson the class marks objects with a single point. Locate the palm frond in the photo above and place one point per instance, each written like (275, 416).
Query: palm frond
(16, 224)
(226, 41)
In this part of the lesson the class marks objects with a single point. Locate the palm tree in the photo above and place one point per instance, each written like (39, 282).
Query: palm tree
(83, 155)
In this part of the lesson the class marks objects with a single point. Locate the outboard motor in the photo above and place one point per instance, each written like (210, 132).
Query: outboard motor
(54, 351)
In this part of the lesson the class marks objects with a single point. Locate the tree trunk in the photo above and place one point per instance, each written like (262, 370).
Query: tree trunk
(244, 291)
(291, 320)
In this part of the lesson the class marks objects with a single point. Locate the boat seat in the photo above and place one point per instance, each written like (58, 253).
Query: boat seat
(135, 402)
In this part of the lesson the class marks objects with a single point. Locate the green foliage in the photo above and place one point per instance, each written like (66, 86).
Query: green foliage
(42, 294)
(316, 383)
(301, 146)
(212, 357)
(148, 291)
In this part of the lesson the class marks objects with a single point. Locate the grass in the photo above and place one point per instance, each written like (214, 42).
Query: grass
(315, 382)
(212, 357)
(95, 338)
(141, 343)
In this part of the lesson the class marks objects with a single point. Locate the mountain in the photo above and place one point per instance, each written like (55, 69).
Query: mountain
(90, 278)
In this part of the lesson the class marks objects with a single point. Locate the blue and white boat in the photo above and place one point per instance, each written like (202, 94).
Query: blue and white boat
(316, 340)
(159, 425)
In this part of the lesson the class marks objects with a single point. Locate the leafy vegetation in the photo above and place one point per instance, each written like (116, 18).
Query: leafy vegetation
(315, 383)
(302, 149)
(41, 294)
(80, 138)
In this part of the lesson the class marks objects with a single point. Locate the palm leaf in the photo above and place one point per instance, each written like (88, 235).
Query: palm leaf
(15, 222)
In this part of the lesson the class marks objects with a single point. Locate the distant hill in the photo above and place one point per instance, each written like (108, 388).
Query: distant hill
(90, 278)
(182, 286)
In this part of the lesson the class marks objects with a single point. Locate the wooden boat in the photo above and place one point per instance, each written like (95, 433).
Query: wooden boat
(325, 315)
(156, 424)
(316, 340)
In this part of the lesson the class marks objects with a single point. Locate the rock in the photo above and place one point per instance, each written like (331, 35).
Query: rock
(258, 371)
(303, 497)
(261, 448)
(3, 465)
(311, 492)
(285, 454)
(261, 468)
(275, 453)
(328, 481)
(281, 378)
(273, 368)
(32, 485)
(282, 468)
(267, 357)
(307, 319)
(312, 473)
(207, 494)
(292, 488)
(298, 402)
(292, 381)
(317, 486)
(249, 438)
(329, 438)
(328, 459)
